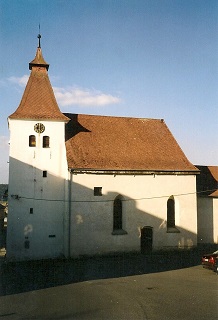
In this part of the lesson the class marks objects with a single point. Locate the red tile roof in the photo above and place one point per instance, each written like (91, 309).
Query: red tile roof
(38, 101)
(118, 143)
(214, 172)
(207, 181)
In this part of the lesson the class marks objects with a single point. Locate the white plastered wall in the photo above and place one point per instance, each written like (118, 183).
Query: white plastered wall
(145, 204)
(39, 234)
(207, 220)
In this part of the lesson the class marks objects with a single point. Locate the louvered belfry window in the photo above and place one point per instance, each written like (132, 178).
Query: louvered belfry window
(46, 142)
(32, 141)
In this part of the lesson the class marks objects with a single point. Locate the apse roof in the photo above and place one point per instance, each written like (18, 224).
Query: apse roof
(207, 181)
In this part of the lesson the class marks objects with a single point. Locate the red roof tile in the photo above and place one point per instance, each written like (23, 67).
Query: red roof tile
(118, 143)
(38, 101)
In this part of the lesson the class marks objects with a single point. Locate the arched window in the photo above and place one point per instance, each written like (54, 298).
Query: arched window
(171, 212)
(118, 216)
(32, 141)
(171, 224)
(46, 142)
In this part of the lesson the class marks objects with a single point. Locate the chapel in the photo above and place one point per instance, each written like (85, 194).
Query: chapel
(88, 185)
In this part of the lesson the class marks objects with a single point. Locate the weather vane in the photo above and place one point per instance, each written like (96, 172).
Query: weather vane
(39, 37)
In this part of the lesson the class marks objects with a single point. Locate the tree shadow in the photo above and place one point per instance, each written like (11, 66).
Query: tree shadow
(23, 276)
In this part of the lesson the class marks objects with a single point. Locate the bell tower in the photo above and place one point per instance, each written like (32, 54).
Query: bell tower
(37, 170)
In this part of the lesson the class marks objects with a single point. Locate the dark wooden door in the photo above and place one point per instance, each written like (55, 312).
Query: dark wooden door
(146, 239)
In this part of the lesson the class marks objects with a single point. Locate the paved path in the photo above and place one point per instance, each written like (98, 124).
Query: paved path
(33, 275)
(182, 294)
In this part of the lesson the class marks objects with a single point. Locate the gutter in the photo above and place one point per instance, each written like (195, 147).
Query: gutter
(132, 172)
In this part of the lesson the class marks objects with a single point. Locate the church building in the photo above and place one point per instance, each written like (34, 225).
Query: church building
(88, 185)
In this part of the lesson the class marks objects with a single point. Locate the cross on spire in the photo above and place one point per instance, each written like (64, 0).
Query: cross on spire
(39, 37)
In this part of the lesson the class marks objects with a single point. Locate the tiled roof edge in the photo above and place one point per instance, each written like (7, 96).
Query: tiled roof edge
(133, 172)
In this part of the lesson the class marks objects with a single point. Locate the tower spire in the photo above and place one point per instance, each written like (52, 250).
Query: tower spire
(39, 60)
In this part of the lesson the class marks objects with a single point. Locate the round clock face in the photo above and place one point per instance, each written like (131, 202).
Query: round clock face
(39, 127)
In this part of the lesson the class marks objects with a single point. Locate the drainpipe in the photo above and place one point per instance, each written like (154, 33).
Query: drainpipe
(69, 206)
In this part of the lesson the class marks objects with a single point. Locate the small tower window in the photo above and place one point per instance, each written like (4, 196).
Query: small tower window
(46, 142)
(32, 141)
(44, 174)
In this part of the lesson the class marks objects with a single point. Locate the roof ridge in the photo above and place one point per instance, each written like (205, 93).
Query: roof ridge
(109, 116)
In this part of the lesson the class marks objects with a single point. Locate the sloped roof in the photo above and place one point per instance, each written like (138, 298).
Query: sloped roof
(38, 60)
(118, 143)
(214, 172)
(214, 194)
(207, 181)
(38, 101)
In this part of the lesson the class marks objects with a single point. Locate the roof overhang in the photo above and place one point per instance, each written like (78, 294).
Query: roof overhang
(130, 172)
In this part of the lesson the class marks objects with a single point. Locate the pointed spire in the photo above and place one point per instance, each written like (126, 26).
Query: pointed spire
(38, 61)
(38, 101)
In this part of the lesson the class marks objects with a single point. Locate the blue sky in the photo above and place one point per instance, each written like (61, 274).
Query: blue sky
(147, 59)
